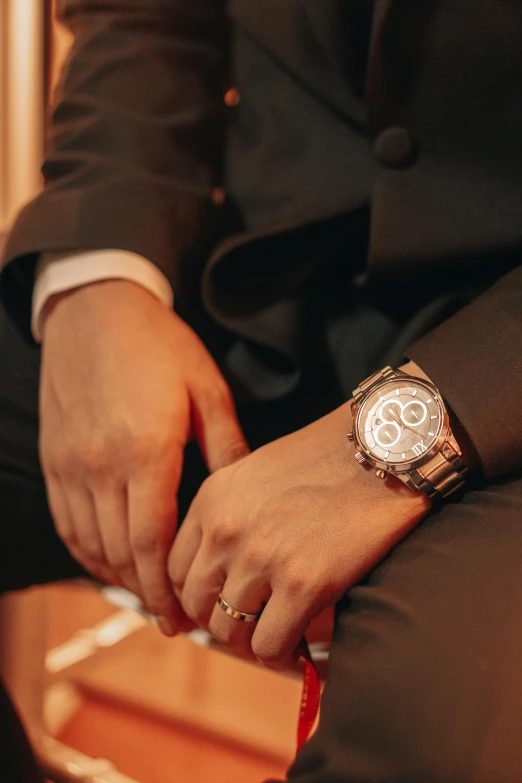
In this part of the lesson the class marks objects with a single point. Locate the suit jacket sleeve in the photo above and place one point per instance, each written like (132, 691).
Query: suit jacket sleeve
(135, 139)
(475, 359)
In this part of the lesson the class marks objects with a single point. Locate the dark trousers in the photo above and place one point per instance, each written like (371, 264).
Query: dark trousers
(426, 668)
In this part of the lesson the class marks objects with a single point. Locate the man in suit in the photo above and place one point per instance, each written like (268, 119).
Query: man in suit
(350, 211)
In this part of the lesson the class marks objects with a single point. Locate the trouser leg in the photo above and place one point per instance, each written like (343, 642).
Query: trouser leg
(425, 684)
(17, 764)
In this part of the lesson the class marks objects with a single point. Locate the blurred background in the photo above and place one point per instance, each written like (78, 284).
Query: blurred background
(92, 678)
(32, 51)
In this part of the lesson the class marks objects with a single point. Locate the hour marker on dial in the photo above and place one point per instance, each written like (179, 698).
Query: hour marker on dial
(404, 455)
(434, 417)
(387, 455)
(414, 392)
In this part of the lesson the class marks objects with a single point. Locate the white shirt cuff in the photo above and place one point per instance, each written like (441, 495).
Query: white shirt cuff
(59, 272)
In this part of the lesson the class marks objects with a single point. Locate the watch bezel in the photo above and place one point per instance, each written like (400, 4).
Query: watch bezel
(403, 467)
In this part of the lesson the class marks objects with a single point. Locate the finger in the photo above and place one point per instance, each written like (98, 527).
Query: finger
(245, 594)
(201, 589)
(217, 428)
(183, 552)
(279, 631)
(111, 511)
(60, 511)
(87, 533)
(67, 530)
(61, 516)
(152, 513)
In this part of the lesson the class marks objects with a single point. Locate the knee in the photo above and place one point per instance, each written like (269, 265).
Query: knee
(409, 712)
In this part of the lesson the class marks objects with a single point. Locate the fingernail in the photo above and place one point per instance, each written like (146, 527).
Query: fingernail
(166, 626)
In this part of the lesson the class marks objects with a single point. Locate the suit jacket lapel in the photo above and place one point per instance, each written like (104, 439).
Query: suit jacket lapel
(374, 72)
(341, 31)
(308, 38)
(320, 19)
(325, 21)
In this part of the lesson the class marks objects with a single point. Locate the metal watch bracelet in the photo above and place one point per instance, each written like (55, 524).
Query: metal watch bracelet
(445, 473)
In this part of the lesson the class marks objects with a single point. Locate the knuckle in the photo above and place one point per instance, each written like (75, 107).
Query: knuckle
(143, 447)
(94, 458)
(220, 633)
(218, 394)
(145, 542)
(297, 583)
(93, 552)
(272, 655)
(256, 558)
(233, 452)
(119, 435)
(122, 563)
(225, 533)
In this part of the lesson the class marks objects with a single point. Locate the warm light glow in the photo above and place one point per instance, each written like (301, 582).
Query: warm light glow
(21, 104)
(61, 43)
(3, 128)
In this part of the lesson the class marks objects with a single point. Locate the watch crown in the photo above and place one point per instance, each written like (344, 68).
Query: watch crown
(380, 474)
(360, 457)
(350, 437)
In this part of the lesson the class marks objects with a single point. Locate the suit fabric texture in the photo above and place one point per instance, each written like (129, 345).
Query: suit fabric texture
(373, 177)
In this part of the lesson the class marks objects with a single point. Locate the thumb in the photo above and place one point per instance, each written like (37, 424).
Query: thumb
(217, 429)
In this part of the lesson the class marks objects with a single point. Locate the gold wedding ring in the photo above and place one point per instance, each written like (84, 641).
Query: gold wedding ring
(243, 617)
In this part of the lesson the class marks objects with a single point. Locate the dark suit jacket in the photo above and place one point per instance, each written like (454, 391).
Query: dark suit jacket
(412, 108)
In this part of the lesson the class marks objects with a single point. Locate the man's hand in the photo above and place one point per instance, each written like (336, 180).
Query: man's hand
(292, 526)
(124, 385)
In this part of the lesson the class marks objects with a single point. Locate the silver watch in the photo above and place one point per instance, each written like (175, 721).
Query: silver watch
(401, 427)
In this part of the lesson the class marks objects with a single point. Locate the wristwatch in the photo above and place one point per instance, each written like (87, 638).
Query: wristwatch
(402, 427)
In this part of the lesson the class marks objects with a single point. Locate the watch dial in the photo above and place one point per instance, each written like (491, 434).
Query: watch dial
(400, 422)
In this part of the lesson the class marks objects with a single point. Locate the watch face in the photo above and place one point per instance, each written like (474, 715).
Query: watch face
(400, 423)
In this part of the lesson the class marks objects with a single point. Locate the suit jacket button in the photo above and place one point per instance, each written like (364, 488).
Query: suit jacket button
(395, 147)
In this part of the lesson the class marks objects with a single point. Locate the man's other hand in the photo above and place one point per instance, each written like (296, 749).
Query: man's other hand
(125, 383)
(293, 526)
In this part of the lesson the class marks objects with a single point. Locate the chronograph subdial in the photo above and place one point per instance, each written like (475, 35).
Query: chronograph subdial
(387, 434)
(414, 413)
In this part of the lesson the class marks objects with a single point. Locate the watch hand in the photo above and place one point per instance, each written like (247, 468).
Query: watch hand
(399, 421)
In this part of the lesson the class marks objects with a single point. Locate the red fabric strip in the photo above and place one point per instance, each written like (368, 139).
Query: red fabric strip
(310, 697)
